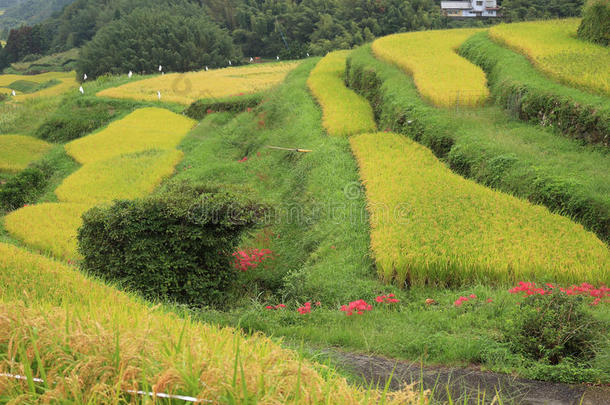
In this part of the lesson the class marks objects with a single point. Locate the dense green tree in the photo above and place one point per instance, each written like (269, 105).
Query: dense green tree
(595, 26)
(147, 38)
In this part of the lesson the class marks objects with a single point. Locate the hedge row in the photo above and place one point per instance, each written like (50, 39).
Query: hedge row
(398, 108)
(200, 108)
(517, 86)
(174, 245)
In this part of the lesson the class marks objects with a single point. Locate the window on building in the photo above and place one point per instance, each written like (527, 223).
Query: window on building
(479, 2)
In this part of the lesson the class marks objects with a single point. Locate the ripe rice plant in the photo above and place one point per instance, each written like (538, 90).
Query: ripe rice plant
(430, 225)
(553, 48)
(442, 77)
(49, 227)
(185, 88)
(90, 343)
(120, 177)
(17, 151)
(144, 129)
(344, 112)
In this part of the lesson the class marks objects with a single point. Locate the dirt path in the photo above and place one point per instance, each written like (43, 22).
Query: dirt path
(469, 381)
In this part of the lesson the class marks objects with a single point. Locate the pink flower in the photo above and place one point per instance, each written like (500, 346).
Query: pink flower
(473, 296)
(270, 307)
(489, 300)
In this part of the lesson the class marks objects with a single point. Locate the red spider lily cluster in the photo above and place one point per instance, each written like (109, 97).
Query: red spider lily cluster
(249, 259)
(359, 307)
(244, 159)
(387, 298)
(461, 300)
(279, 306)
(582, 289)
(306, 308)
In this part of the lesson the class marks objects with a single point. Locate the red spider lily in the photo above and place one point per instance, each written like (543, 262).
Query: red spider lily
(582, 289)
(250, 259)
(209, 111)
(387, 299)
(489, 300)
(279, 306)
(244, 159)
(305, 309)
(249, 109)
(358, 306)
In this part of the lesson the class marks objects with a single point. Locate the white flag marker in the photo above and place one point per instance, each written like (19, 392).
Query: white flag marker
(159, 95)
(251, 59)
(308, 54)
(160, 68)
(130, 74)
(277, 58)
(229, 63)
(13, 93)
(85, 76)
(82, 91)
(206, 68)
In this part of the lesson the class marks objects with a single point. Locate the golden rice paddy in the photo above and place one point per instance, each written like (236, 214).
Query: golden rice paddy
(185, 88)
(442, 77)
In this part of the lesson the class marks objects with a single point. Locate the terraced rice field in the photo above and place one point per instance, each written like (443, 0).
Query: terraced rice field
(49, 227)
(67, 81)
(344, 112)
(430, 225)
(553, 48)
(126, 160)
(185, 88)
(120, 177)
(17, 151)
(442, 77)
(144, 129)
(107, 337)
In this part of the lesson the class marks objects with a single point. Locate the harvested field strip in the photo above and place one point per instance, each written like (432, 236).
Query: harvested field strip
(144, 129)
(93, 342)
(553, 48)
(185, 88)
(344, 112)
(17, 151)
(430, 225)
(442, 76)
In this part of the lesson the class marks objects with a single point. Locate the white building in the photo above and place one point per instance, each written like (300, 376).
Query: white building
(472, 8)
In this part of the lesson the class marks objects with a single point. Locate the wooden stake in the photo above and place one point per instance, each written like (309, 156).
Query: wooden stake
(290, 149)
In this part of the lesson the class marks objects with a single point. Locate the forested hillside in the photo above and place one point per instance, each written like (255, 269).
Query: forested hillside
(28, 12)
(286, 28)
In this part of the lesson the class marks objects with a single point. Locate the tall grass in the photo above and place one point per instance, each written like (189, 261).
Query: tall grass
(442, 76)
(143, 129)
(432, 226)
(344, 112)
(553, 48)
(91, 343)
(185, 88)
(17, 151)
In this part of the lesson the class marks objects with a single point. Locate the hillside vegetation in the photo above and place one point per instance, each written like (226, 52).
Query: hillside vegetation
(486, 145)
(553, 48)
(529, 95)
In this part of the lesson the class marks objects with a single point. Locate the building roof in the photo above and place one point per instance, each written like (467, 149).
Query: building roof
(455, 4)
